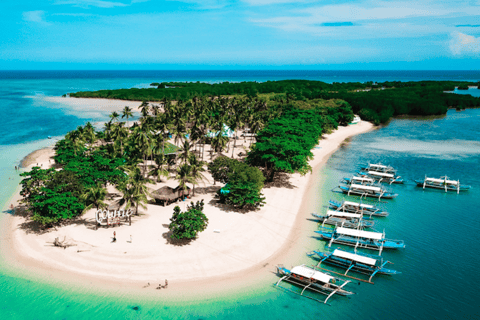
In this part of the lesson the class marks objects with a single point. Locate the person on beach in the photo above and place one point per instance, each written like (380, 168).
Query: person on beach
(166, 284)
(114, 236)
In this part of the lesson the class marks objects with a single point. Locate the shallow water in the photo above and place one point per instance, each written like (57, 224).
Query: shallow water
(438, 266)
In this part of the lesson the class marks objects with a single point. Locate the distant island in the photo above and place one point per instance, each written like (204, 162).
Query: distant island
(375, 102)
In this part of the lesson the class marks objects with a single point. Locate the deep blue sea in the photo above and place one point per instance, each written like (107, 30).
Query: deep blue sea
(439, 266)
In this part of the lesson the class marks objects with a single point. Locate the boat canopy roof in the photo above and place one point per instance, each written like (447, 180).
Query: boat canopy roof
(362, 179)
(360, 233)
(377, 165)
(360, 186)
(380, 174)
(354, 257)
(343, 214)
(355, 204)
(311, 274)
(441, 181)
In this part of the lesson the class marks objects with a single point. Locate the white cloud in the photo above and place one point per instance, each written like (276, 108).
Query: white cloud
(92, 3)
(37, 16)
(464, 44)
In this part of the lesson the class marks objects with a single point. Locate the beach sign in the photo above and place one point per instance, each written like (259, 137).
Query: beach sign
(102, 215)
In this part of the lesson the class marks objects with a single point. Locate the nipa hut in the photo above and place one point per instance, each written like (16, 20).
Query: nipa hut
(166, 195)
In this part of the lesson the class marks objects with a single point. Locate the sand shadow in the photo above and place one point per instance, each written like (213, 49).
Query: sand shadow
(207, 190)
(281, 180)
(176, 242)
(215, 202)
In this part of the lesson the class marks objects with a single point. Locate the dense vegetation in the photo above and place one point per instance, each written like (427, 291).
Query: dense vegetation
(376, 102)
(186, 225)
(243, 183)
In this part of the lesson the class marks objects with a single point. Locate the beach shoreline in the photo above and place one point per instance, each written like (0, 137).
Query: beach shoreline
(25, 252)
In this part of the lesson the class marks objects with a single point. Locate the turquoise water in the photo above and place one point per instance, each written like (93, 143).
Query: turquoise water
(438, 266)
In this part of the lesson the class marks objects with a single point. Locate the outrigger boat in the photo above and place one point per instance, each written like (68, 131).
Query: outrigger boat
(361, 263)
(344, 219)
(365, 209)
(442, 183)
(367, 191)
(366, 181)
(381, 177)
(378, 167)
(314, 280)
(360, 239)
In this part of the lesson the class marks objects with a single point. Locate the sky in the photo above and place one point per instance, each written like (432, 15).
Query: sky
(240, 34)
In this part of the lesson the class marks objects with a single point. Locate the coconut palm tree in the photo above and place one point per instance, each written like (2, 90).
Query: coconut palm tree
(142, 139)
(185, 150)
(127, 113)
(94, 197)
(197, 169)
(158, 170)
(134, 190)
(184, 175)
(114, 116)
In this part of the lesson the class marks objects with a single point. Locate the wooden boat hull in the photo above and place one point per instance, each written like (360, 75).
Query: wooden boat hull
(361, 243)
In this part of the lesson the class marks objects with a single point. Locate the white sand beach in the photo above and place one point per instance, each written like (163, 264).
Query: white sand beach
(233, 245)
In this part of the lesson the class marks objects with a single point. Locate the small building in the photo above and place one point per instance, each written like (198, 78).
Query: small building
(166, 195)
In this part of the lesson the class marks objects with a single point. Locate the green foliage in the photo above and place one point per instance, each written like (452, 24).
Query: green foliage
(51, 196)
(285, 143)
(243, 195)
(221, 167)
(186, 225)
(415, 98)
(244, 183)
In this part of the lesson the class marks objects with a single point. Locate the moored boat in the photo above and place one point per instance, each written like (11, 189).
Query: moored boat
(313, 280)
(360, 263)
(344, 219)
(365, 209)
(378, 167)
(360, 238)
(366, 181)
(367, 191)
(442, 183)
(382, 177)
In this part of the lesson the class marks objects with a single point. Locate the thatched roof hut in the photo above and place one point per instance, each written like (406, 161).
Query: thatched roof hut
(167, 194)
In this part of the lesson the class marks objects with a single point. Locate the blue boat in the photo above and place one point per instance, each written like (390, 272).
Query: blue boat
(360, 263)
(313, 280)
(442, 183)
(365, 209)
(344, 219)
(364, 180)
(367, 191)
(360, 239)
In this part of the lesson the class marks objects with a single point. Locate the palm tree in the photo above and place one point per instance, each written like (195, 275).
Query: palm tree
(108, 130)
(93, 197)
(158, 170)
(114, 116)
(127, 113)
(120, 134)
(184, 175)
(186, 150)
(134, 190)
(197, 169)
(142, 139)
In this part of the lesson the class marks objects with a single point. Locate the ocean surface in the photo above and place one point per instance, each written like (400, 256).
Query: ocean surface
(439, 265)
